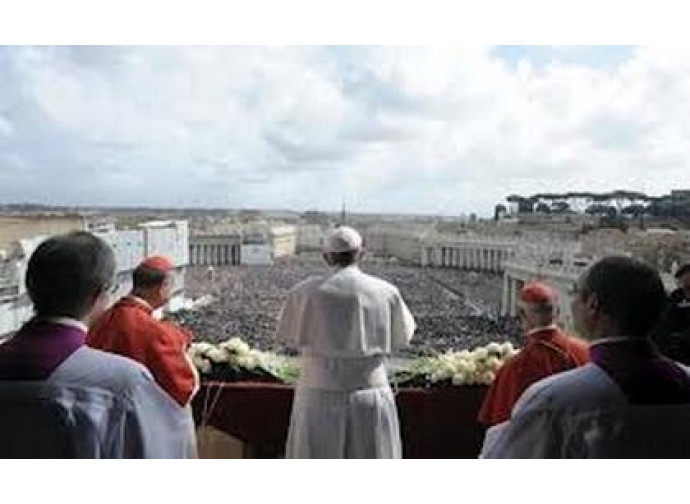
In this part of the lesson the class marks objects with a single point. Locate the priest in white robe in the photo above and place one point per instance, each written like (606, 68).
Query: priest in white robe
(345, 325)
(629, 402)
(62, 399)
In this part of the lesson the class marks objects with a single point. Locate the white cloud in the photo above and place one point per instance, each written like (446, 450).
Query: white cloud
(6, 128)
(389, 128)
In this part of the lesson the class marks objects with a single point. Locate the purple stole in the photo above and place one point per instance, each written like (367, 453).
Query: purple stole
(641, 372)
(37, 349)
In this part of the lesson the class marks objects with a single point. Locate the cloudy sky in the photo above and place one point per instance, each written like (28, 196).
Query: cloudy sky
(387, 129)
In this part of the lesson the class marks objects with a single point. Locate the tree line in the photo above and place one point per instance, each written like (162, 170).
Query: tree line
(619, 203)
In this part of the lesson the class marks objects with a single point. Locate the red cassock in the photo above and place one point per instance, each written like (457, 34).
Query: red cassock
(548, 351)
(129, 329)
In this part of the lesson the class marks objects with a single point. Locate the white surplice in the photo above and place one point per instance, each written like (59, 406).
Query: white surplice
(584, 414)
(345, 325)
(97, 405)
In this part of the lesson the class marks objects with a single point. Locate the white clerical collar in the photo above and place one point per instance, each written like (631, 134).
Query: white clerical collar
(140, 301)
(350, 267)
(543, 328)
(68, 321)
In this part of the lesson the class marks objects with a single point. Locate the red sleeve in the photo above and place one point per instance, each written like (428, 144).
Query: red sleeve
(501, 396)
(511, 381)
(169, 365)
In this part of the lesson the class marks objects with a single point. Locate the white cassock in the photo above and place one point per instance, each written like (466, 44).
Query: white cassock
(584, 414)
(345, 325)
(94, 405)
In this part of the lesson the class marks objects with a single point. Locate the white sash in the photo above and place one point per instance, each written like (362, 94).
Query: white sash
(343, 373)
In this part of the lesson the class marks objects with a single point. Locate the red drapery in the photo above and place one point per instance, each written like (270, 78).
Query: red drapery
(434, 423)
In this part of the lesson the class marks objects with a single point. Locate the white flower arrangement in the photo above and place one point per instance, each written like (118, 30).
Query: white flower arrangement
(465, 367)
(236, 355)
(235, 346)
(234, 359)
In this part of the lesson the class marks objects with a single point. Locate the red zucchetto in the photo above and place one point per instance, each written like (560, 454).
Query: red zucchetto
(538, 292)
(158, 263)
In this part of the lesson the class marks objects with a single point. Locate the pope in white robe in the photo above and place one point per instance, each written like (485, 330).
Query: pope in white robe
(345, 325)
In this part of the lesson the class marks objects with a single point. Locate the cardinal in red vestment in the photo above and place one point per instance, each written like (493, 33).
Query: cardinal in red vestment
(548, 350)
(129, 328)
